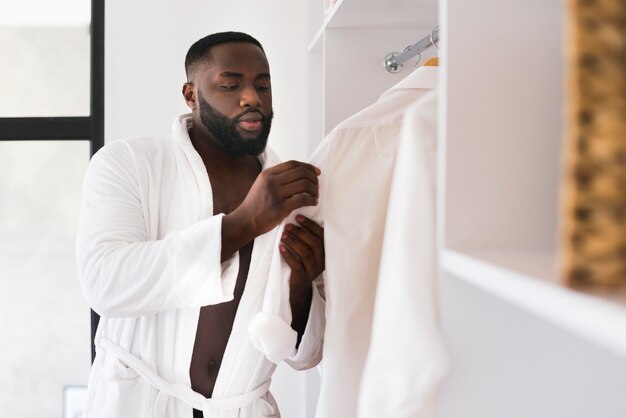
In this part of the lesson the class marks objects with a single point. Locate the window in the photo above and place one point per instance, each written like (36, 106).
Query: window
(51, 121)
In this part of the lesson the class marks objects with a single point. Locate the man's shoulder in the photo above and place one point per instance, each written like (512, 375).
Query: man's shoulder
(142, 143)
(134, 147)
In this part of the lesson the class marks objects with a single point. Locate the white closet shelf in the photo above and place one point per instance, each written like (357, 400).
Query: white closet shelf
(528, 280)
(376, 14)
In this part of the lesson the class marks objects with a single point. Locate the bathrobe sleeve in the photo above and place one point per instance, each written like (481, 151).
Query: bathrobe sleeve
(122, 272)
(270, 330)
(309, 352)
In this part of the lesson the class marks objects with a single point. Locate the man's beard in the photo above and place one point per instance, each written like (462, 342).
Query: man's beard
(224, 130)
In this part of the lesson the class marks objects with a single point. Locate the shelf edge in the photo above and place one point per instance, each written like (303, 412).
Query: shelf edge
(331, 13)
(316, 39)
(599, 321)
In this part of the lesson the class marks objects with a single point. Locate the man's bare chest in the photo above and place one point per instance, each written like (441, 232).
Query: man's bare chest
(229, 191)
(227, 199)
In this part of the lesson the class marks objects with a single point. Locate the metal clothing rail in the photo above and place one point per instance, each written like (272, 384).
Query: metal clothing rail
(394, 61)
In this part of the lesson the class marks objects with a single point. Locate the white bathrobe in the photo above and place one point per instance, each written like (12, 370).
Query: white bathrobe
(148, 255)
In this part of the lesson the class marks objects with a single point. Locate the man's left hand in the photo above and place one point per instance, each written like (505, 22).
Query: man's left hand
(302, 247)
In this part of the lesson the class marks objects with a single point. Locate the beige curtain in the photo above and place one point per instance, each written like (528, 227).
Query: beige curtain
(594, 225)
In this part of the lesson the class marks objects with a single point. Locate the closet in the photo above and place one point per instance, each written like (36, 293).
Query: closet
(521, 344)
(349, 40)
(347, 44)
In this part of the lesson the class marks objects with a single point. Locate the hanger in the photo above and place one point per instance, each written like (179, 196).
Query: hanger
(394, 61)
(431, 62)
(434, 61)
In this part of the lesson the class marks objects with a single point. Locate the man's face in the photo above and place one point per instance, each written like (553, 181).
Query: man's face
(226, 131)
(234, 98)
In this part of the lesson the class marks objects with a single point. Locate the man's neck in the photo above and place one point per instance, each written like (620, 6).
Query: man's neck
(213, 156)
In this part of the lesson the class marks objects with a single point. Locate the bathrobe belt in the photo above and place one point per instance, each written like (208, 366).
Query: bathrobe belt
(180, 390)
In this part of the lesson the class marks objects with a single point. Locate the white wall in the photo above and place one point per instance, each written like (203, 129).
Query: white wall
(146, 43)
(504, 98)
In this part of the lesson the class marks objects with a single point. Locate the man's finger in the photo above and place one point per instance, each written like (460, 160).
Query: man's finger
(315, 244)
(299, 200)
(288, 255)
(312, 226)
(290, 165)
(292, 261)
(301, 186)
(302, 252)
(296, 174)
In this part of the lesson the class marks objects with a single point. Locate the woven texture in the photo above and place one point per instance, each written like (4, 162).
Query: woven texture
(594, 226)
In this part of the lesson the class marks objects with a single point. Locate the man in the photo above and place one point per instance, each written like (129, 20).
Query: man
(174, 243)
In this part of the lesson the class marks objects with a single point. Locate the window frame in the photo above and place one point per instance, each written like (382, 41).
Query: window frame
(79, 128)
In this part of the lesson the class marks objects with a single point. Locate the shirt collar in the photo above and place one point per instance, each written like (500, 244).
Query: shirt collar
(421, 78)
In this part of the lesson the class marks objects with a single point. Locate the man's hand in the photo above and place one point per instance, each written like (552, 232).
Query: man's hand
(275, 193)
(302, 247)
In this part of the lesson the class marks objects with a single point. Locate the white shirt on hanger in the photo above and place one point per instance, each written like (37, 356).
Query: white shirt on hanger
(356, 160)
(407, 360)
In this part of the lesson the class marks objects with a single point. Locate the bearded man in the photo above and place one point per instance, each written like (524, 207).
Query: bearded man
(173, 249)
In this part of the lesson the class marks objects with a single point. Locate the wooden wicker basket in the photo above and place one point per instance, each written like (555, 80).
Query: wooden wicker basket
(594, 194)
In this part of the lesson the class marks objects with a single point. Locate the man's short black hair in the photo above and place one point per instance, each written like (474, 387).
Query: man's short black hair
(199, 51)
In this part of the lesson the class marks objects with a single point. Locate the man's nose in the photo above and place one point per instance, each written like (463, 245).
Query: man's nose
(250, 98)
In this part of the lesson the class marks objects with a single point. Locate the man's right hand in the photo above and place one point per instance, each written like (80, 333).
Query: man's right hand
(275, 193)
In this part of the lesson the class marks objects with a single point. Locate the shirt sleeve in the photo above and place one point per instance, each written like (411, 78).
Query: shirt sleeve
(404, 369)
(122, 273)
(270, 330)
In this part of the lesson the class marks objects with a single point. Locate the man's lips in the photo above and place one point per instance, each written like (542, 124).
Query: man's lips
(251, 121)
(251, 117)
(251, 126)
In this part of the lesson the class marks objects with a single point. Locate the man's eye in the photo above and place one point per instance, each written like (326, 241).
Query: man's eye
(262, 88)
(229, 87)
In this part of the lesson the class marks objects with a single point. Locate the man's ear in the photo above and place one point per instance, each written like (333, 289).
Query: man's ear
(189, 95)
